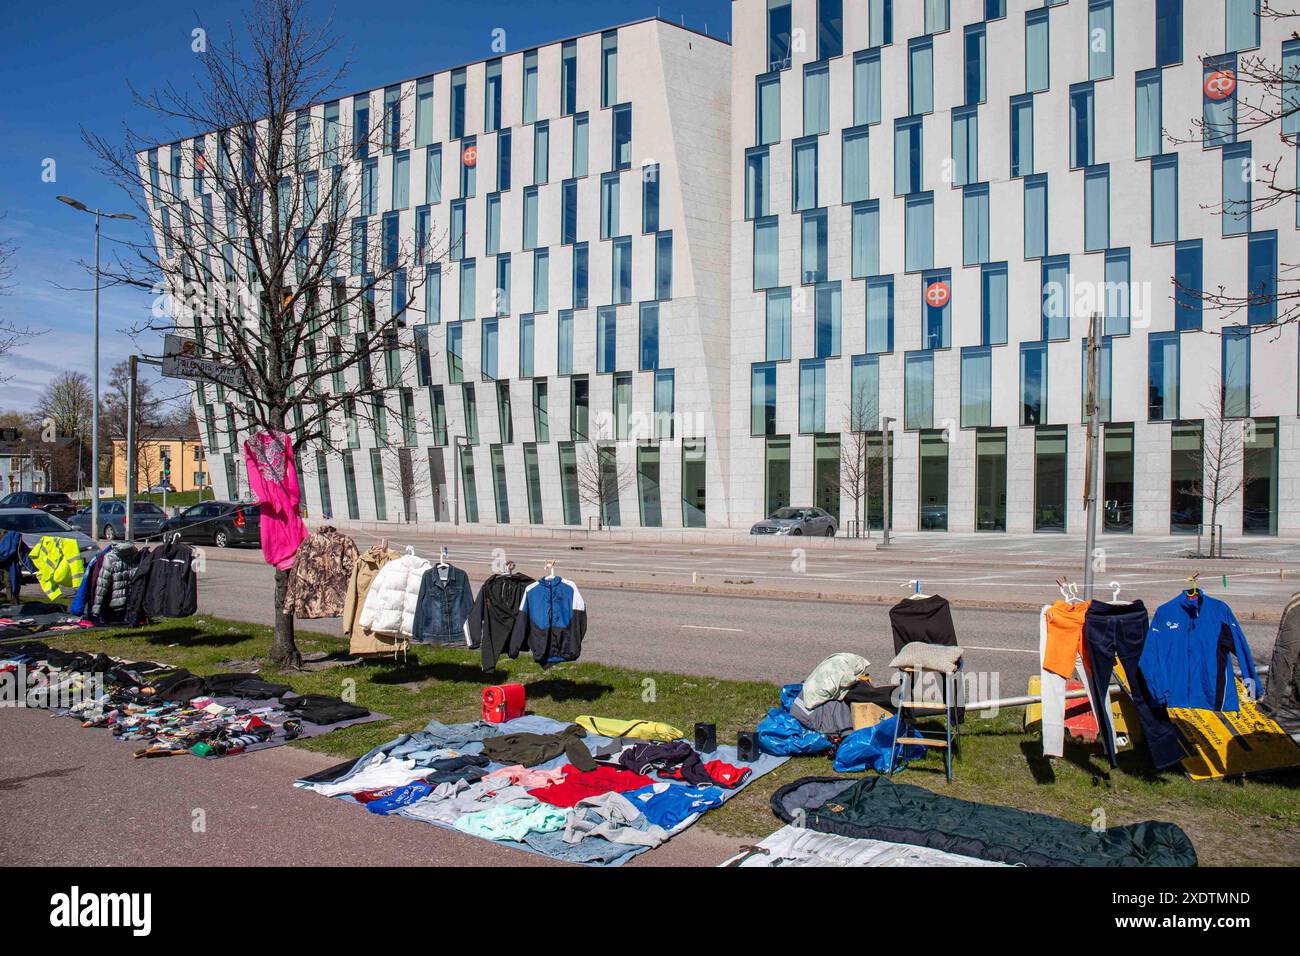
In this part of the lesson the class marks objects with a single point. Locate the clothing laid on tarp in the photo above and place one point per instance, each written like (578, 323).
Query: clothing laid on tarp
(831, 678)
(530, 749)
(833, 718)
(640, 729)
(1061, 649)
(1119, 631)
(581, 784)
(492, 618)
(876, 808)
(58, 565)
(394, 595)
(273, 478)
(442, 606)
(363, 639)
(1187, 658)
(925, 619)
(552, 621)
(1282, 701)
(321, 575)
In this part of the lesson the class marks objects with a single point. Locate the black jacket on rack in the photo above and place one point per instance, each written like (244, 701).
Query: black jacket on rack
(926, 619)
(492, 618)
(172, 589)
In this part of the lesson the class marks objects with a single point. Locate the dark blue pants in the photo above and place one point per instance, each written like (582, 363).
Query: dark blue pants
(1119, 631)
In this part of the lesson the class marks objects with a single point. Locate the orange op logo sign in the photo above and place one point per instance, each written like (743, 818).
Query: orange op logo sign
(937, 294)
(470, 156)
(1220, 85)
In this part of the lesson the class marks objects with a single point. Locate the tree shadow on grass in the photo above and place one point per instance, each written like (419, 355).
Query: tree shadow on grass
(561, 690)
(196, 637)
(447, 671)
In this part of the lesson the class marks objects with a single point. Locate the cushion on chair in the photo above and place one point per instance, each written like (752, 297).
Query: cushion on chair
(931, 657)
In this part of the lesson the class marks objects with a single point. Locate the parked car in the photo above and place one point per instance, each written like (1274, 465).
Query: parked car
(797, 521)
(934, 517)
(147, 520)
(34, 524)
(222, 523)
(51, 502)
(160, 488)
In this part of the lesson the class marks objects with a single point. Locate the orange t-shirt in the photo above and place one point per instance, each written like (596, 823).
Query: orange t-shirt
(1064, 636)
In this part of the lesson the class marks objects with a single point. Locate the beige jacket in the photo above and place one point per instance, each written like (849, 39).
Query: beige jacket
(363, 639)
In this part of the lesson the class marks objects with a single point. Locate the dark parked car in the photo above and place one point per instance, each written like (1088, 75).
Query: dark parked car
(223, 523)
(797, 521)
(51, 502)
(147, 520)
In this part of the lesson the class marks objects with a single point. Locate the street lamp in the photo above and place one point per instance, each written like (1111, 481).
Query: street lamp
(94, 428)
(886, 423)
(459, 442)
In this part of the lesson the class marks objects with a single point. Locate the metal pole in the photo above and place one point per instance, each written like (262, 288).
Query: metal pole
(130, 450)
(94, 425)
(886, 425)
(455, 482)
(1093, 449)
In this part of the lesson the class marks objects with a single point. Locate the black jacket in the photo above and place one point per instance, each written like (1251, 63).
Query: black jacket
(927, 619)
(172, 588)
(493, 616)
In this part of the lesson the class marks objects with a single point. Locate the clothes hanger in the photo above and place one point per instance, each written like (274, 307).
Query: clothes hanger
(442, 558)
(1193, 589)
(1114, 595)
(916, 594)
(550, 569)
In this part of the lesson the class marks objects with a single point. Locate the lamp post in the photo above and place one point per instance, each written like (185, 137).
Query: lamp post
(886, 423)
(459, 442)
(94, 427)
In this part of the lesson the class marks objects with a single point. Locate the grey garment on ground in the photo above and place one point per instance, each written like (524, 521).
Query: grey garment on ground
(595, 851)
(613, 817)
(1282, 701)
(833, 717)
(462, 798)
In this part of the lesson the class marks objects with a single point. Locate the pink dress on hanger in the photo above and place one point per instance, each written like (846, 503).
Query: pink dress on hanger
(274, 479)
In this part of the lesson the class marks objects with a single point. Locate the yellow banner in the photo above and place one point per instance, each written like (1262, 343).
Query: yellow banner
(1229, 745)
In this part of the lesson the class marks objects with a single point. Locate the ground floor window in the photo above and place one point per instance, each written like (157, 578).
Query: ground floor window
(1259, 488)
(607, 462)
(499, 488)
(777, 472)
(350, 485)
(1050, 447)
(875, 497)
(934, 481)
(647, 481)
(1117, 479)
(991, 480)
(438, 484)
(569, 483)
(407, 485)
(377, 484)
(1186, 461)
(469, 488)
(533, 482)
(323, 480)
(232, 478)
(826, 474)
(693, 483)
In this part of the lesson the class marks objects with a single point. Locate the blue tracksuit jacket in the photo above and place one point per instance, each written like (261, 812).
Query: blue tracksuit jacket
(1187, 659)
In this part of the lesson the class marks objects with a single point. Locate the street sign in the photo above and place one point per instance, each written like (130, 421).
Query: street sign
(201, 369)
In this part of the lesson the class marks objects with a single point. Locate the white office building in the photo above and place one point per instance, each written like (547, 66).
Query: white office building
(717, 262)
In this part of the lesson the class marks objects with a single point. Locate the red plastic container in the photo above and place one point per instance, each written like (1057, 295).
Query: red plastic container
(503, 702)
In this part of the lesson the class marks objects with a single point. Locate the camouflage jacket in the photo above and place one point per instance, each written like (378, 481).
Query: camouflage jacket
(322, 571)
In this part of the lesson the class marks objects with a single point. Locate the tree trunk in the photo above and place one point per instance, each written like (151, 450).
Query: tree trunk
(284, 650)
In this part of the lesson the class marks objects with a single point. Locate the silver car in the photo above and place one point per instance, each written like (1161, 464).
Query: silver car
(797, 521)
(147, 520)
(34, 525)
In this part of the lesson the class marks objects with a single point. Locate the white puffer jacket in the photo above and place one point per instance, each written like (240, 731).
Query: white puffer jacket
(393, 595)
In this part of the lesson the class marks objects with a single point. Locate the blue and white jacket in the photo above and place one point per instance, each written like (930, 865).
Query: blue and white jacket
(551, 622)
(1187, 658)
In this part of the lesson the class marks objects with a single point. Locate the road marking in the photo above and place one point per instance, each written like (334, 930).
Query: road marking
(704, 627)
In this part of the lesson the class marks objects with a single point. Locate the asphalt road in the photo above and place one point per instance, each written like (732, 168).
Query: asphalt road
(720, 635)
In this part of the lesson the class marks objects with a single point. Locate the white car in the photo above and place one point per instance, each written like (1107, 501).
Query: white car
(34, 525)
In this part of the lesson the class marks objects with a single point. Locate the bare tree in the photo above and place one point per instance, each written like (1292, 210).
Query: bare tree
(266, 245)
(855, 450)
(10, 332)
(1220, 462)
(602, 478)
(1263, 97)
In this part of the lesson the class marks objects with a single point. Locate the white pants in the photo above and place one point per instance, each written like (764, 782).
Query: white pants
(1052, 689)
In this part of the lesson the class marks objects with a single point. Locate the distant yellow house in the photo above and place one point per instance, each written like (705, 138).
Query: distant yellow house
(189, 467)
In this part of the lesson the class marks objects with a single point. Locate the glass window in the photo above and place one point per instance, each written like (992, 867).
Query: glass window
(766, 253)
(1101, 48)
(609, 205)
(1037, 56)
(1162, 376)
(918, 229)
(856, 166)
(457, 116)
(976, 387)
(650, 197)
(647, 482)
(880, 314)
(1169, 32)
(492, 96)
(468, 171)
(881, 22)
(768, 118)
(866, 87)
(564, 343)
(1185, 477)
(1118, 293)
(975, 225)
(920, 76)
(541, 152)
(918, 390)
(816, 99)
(778, 325)
(1242, 30)
(936, 310)
(569, 212)
(1050, 445)
(812, 396)
(1033, 383)
(493, 245)
(693, 483)
(814, 252)
(826, 474)
(541, 413)
(758, 177)
(530, 218)
(1035, 217)
(502, 290)
(609, 68)
(488, 349)
(866, 239)
(762, 399)
(933, 484)
(1235, 372)
(499, 490)
(776, 475)
(976, 65)
(830, 28)
(1150, 113)
(579, 408)
(665, 396)
(349, 485)
(778, 34)
(864, 393)
(827, 320)
(1022, 136)
(580, 138)
(1219, 116)
(527, 345)
(622, 158)
(1291, 88)
(568, 77)
(1259, 490)
(1056, 298)
(1082, 123)
(965, 146)
(433, 174)
(377, 484)
(1261, 278)
(1238, 170)
(468, 289)
(1188, 285)
(568, 454)
(1096, 208)
(541, 280)
(606, 339)
(805, 175)
(1118, 479)
(908, 153)
(401, 180)
(993, 304)
(648, 353)
(621, 271)
(533, 484)
(663, 265)
(622, 405)
(580, 274)
(1164, 199)
(991, 480)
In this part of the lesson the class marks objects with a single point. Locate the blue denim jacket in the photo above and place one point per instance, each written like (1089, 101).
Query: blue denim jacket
(442, 608)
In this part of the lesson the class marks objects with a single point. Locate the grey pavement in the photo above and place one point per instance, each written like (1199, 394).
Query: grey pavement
(76, 797)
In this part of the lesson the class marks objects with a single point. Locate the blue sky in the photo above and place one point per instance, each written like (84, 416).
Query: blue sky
(66, 65)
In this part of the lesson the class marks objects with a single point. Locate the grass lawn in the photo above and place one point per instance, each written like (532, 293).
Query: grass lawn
(1255, 821)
